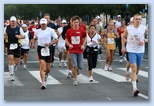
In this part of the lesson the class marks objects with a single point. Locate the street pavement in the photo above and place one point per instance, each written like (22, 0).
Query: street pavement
(107, 86)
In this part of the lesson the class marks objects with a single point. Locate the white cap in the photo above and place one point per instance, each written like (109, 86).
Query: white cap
(63, 22)
(24, 25)
(131, 19)
(43, 21)
(98, 17)
(13, 18)
(118, 15)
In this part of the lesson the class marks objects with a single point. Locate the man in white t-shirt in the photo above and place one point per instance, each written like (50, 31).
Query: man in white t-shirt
(61, 45)
(118, 22)
(135, 35)
(43, 35)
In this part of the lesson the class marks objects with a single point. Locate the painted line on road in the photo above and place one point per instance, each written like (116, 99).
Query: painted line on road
(50, 81)
(8, 82)
(110, 75)
(143, 96)
(141, 72)
(80, 78)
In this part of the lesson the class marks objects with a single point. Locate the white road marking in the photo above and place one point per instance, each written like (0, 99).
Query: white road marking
(8, 82)
(80, 78)
(51, 80)
(141, 72)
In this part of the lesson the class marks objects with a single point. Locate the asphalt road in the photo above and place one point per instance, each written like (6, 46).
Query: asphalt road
(107, 86)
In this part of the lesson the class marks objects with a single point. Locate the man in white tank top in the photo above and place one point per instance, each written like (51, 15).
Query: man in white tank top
(135, 35)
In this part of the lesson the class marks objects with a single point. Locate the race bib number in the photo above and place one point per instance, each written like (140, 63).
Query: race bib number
(75, 39)
(45, 52)
(110, 40)
(33, 29)
(13, 46)
(134, 40)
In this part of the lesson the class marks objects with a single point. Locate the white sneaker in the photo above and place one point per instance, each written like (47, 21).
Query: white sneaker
(75, 83)
(91, 79)
(52, 65)
(25, 68)
(106, 68)
(12, 77)
(110, 68)
(60, 64)
(120, 60)
(65, 65)
(21, 62)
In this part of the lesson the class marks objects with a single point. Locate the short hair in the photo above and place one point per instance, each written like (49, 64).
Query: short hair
(92, 26)
(137, 15)
(46, 14)
(75, 18)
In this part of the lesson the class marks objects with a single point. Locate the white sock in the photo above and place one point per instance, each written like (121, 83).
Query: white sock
(134, 85)
(11, 69)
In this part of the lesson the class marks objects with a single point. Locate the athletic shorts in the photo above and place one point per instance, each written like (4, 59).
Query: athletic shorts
(135, 58)
(24, 51)
(48, 58)
(15, 52)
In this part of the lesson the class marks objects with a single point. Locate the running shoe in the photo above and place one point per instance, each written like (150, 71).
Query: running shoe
(60, 64)
(65, 65)
(91, 79)
(12, 77)
(25, 68)
(21, 62)
(120, 61)
(43, 86)
(127, 77)
(106, 68)
(136, 92)
(69, 75)
(75, 83)
(110, 68)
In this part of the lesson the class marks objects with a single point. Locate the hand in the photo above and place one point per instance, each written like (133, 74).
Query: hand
(70, 46)
(47, 44)
(141, 43)
(82, 47)
(123, 50)
(17, 36)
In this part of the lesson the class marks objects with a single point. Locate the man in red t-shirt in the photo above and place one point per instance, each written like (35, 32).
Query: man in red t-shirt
(32, 29)
(75, 39)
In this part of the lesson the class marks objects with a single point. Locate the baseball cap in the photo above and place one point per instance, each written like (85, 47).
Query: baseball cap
(131, 19)
(118, 15)
(98, 17)
(24, 25)
(13, 18)
(43, 21)
(63, 22)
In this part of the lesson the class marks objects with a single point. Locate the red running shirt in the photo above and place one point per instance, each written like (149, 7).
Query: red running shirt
(75, 38)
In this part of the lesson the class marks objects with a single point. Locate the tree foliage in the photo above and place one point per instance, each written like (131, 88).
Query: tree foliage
(29, 11)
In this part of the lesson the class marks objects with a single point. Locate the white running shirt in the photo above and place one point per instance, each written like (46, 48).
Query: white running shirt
(134, 36)
(44, 36)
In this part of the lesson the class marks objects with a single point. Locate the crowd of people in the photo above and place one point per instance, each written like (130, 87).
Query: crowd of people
(76, 40)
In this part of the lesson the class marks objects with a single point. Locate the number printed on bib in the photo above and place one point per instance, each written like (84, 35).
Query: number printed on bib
(75, 39)
(13, 46)
(110, 40)
(45, 52)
